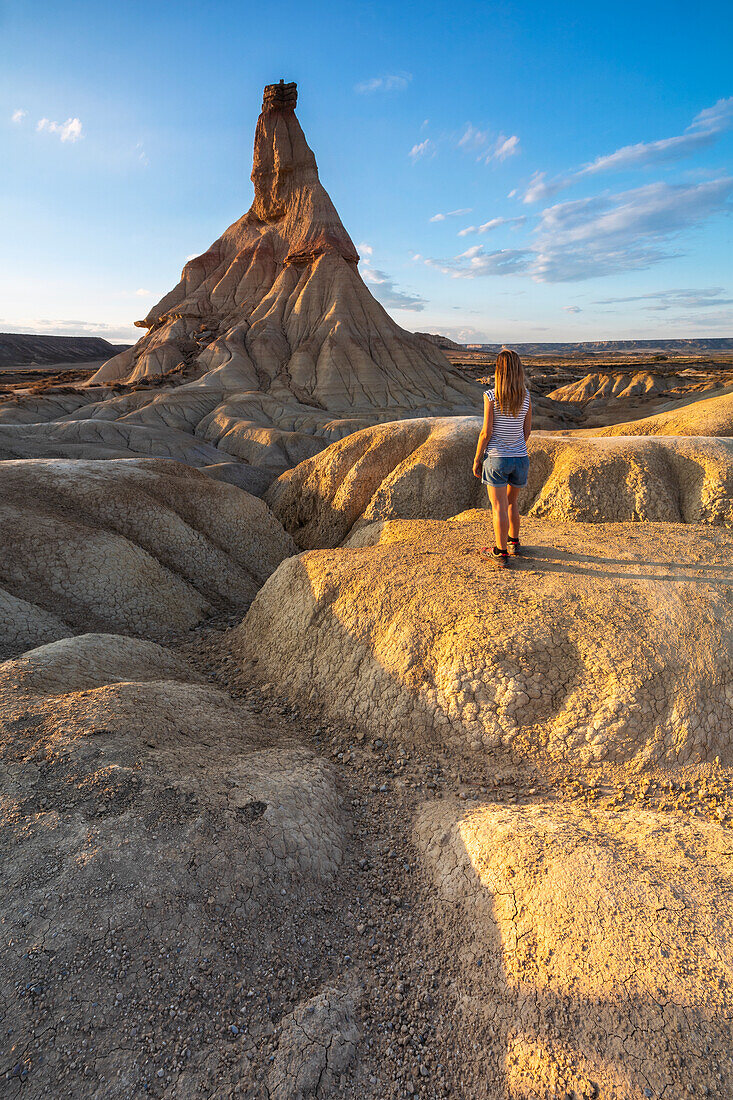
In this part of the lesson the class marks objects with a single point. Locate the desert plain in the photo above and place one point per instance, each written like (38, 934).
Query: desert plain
(299, 797)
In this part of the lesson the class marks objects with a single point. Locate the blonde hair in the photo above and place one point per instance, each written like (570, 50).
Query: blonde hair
(510, 387)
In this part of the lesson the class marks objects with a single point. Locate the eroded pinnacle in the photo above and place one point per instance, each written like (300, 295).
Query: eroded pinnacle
(280, 97)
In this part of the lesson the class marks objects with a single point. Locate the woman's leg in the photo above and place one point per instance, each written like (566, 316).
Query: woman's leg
(513, 508)
(500, 514)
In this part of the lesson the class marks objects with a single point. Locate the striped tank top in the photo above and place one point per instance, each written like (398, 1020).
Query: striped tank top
(507, 438)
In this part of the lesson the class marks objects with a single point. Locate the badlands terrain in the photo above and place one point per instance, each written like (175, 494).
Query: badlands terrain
(299, 798)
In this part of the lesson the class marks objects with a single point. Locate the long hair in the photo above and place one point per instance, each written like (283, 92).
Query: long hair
(510, 386)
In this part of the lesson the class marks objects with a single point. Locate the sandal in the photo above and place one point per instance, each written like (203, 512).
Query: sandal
(514, 546)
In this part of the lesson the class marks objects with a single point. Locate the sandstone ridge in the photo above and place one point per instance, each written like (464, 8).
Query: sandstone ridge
(147, 547)
(421, 469)
(405, 632)
(567, 923)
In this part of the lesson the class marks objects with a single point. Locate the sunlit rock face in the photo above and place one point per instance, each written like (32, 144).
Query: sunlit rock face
(421, 469)
(593, 944)
(407, 633)
(277, 305)
(706, 416)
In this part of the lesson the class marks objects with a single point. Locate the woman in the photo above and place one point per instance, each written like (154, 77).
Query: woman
(501, 459)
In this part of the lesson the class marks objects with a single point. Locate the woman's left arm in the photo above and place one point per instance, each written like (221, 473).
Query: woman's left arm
(484, 437)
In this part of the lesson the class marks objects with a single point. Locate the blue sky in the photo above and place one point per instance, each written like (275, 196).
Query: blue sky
(509, 171)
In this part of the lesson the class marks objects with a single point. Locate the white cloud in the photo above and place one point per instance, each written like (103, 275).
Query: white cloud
(384, 290)
(622, 232)
(502, 148)
(480, 143)
(493, 223)
(484, 147)
(572, 309)
(721, 319)
(423, 149)
(364, 249)
(142, 293)
(588, 238)
(18, 116)
(540, 188)
(464, 334)
(645, 153)
(472, 138)
(393, 82)
(716, 118)
(702, 132)
(451, 214)
(71, 130)
(694, 298)
(476, 262)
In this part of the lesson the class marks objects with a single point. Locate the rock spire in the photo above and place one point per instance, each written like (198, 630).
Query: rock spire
(277, 306)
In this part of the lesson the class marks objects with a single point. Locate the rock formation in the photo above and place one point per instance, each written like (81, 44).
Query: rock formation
(405, 633)
(601, 387)
(701, 416)
(268, 349)
(421, 469)
(583, 935)
(159, 843)
(141, 546)
(277, 306)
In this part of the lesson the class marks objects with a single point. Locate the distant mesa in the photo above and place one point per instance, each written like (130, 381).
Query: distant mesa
(21, 349)
(693, 346)
(443, 342)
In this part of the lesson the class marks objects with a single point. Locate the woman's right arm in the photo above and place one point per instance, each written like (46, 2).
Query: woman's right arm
(528, 423)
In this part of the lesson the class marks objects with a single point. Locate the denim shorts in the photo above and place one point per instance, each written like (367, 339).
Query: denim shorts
(505, 471)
